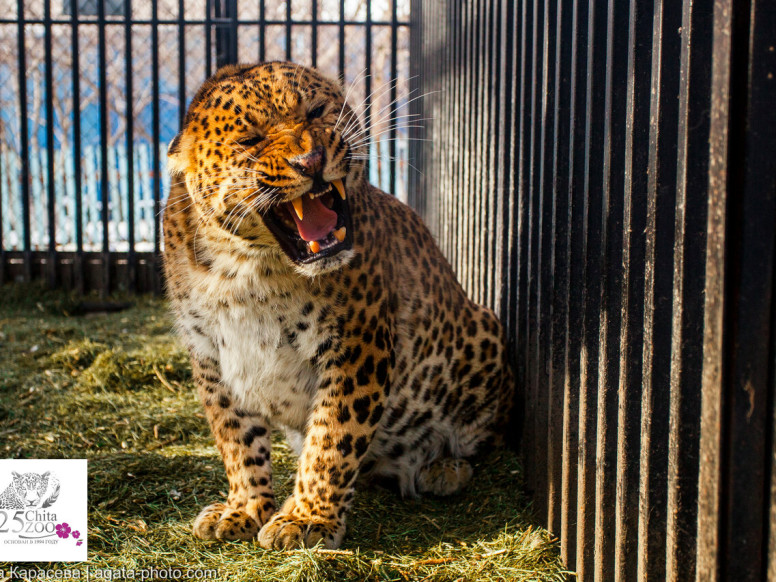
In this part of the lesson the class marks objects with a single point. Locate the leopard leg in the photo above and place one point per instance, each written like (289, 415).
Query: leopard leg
(244, 443)
(444, 476)
(348, 408)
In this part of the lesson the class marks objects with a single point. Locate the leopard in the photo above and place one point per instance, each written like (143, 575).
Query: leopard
(28, 490)
(316, 305)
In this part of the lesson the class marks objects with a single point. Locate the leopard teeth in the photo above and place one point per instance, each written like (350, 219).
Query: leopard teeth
(314, 246)
(298, 208)
(340, 188)
(340, 233)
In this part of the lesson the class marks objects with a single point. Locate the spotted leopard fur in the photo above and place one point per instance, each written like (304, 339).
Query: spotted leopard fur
(371, 357)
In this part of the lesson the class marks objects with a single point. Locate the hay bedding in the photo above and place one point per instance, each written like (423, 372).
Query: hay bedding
(115, 388)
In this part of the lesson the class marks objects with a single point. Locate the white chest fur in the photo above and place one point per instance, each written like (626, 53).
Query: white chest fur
(250, 323)
(265, 371)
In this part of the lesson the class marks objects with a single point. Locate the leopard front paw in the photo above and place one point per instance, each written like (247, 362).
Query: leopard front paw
(219, 521)
(287, 532)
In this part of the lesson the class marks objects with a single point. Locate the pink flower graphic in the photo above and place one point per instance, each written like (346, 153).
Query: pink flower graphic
(63, 530)
(76, 534)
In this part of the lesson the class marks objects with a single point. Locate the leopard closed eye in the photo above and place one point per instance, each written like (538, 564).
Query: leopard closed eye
(313, 302)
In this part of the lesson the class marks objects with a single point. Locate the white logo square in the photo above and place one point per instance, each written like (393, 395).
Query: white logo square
(43, 510)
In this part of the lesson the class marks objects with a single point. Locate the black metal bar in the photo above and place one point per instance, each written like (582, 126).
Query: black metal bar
(104, 177)
(560, 291)
(462, 194)
(314, 33)
(262, 31)
(226, 32)
(615, 28)
(553, 231)
(658, 270)
(630, 445)
(76, 75)
(522, 141)
(749, 276)
(288, 30)
(368, 85)
(394, 104)
(130, 141)
(157, 166)
(531, 321)
(489, 218)
(628, 563)
(51, 269)
(341, 56)
(577, 424)
(208, 37)
(181, 63)
(688, 289)
(24, 149)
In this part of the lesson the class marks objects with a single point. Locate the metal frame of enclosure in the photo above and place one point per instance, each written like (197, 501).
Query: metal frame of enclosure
(223, 31)
(603, 174)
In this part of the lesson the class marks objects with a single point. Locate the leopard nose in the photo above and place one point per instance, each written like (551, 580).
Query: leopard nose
(309, 164)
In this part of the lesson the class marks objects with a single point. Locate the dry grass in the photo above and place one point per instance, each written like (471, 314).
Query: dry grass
(116, 389)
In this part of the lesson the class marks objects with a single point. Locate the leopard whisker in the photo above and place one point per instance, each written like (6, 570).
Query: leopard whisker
(347, 94)
(347, 135)
(373, 94)
(383, 131)
(379, 115)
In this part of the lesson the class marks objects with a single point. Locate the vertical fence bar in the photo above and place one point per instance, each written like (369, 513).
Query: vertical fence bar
(544, 252)
(314, 33)
(262, 31)
(687, 330)
(615, 81)
(208, 37)
(585, 499)
(394, 105)
(631, 550)
(226, 32)
(476, 231)
(465, 130)
(532, 120)
(559, 260)
(51, 260)
(181, 63)
(572, 524)
(156, 281)
(341, 55)
(24, 151)
(104, 177)
(77, 176)
(368, 86)
(130, 138)
(289, 53)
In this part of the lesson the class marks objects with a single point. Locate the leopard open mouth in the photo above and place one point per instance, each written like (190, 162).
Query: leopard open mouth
(315, 225)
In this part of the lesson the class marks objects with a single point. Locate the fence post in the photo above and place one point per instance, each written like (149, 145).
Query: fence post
(225, 19)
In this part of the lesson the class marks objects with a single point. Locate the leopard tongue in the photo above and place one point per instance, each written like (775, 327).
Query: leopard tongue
(317, 221)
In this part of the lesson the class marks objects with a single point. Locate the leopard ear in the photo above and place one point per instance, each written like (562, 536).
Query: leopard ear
(177, 158)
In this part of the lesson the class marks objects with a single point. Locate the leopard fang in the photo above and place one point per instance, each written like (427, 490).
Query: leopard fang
(298, 207)
(340, 188)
